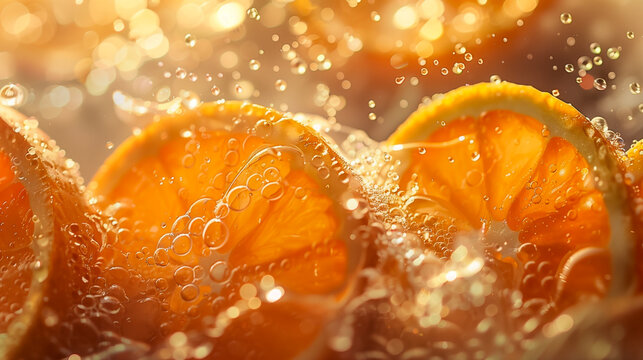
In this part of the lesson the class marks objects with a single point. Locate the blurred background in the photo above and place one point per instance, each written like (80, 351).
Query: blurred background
(95, 71)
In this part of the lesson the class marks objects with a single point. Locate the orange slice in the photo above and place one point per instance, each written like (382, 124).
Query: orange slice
(49, 244)
(233, 219)
(534, 177)
(403, 27)
(635, 177)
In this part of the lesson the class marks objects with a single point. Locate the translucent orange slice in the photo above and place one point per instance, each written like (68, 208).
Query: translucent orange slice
(535, 178)
(49, 242)
(232, 219)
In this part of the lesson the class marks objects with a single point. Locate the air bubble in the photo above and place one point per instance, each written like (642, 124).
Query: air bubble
(595, 48)
(180, 73)
(219, 271)
(280, 85)
(254, 65)
(297, 66)
(635, 88)
(190, 41)
(399, 80)
(600, 84)
(216, 234)
(215, 90)
(12, 95)
(613, 53)
(566, 18)
(495, 79)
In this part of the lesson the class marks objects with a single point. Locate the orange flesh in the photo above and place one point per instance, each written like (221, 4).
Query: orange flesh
(533, 196)
(16, 255)
(281, 224)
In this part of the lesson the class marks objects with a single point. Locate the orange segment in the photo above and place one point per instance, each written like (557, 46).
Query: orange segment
(255, 207)
(561, 177)
(49, 241)
(510, 146)
(542, 208)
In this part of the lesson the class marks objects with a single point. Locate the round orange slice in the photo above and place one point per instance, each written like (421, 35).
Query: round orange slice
(421, 28)
(532, 181)
(237, 225)
(49, 242)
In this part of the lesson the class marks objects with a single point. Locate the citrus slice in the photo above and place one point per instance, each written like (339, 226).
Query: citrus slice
(635, 177)
(233, 219)
(48, 243)
(534, 177)
(403, 27)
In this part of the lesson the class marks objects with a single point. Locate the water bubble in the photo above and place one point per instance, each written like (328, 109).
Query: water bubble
(190, 41)
(555, 92)
(569, 68)
(297, 66)
(239, 198)
(372, 116)
(595, 48)
(458, 68)
(272, 191)
(635, 88)
(215, 90)
(424, 71)
(444, 71)
(280, 85)
(253, 13)
(399, 80)
(254, 65)
(613, 53)
(219, 271)
(599, 123)
(598, 61)
(460, 49)
(566, 18)
(495, 79)
(585, 63)
(189, 292)
(630, 35)
(182, 244)
(109, 145)
(180, 73)
(12, 95)
(371, 104)
(600, 84)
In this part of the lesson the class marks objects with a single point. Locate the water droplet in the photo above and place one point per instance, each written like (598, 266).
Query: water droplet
(595, 48)
(566, 18)
(254, 65)
(280, 85)
(182, 244)
(12, 95)
(190, 41)
(371, 104)
(495, 79)
(613, 53)
(109, 145)
(399, 80)
(215, 90)
(600, 84)
(569, 68)
(372, 116)
(635, 88)
(180, 73)
(630, 35)
(555, 92)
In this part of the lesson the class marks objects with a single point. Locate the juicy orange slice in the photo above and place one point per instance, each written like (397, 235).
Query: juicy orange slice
(534, 177)
(428, 28)
(233, 219)
(49, 243)
(634, 176)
